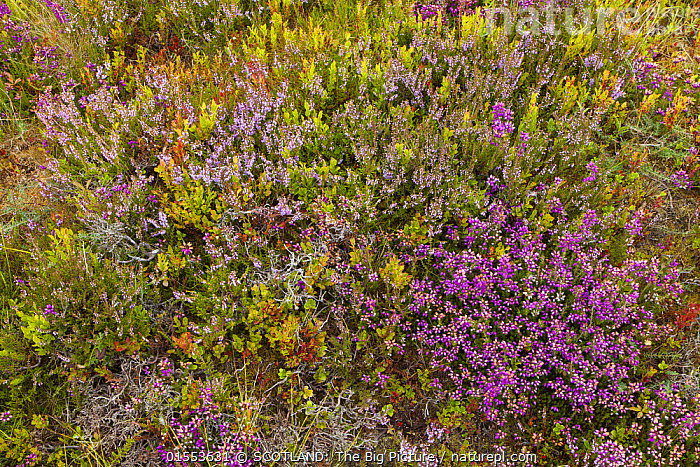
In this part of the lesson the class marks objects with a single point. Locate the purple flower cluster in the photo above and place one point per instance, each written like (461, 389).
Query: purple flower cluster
(166, 368)
(456, 8)
(426, 11)
(594, 172)
(453, 8)
(58, 10)
(678, 86)
(515, 318)
(47, 62)
(203, 428)
(502, 124)
(18, 34)
(681, 179)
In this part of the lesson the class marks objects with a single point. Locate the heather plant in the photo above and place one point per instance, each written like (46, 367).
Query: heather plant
(205, 25)
(110, 313)
(488, 286)
(483, 281)
(15, 54)
(204, 425)
(33, 55)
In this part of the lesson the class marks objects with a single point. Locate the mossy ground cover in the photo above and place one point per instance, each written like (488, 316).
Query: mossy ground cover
(240, 228)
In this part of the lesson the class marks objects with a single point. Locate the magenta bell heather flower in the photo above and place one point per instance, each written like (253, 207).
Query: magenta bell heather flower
(58, 10)
(426, 10)
(502, 124)
(594, 172)
(682, 180)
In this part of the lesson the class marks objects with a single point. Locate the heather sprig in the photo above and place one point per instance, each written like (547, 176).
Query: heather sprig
(205, 427)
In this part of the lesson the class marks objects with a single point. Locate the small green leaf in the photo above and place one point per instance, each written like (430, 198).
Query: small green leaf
(320, 375)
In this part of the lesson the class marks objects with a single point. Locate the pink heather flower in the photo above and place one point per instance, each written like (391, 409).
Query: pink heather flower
(283, 208)
(502, 124)
(166, 368)
(594, 172)
(57, 10)
(5, 416)
(682, 180)
(425, 11)
(382, 379)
